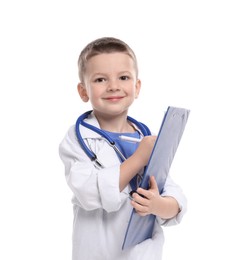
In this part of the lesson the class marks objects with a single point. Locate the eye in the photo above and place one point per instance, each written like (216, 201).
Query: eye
(100, 80)
(124, 78)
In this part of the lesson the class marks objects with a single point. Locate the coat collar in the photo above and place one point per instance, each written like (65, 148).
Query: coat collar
(86, 132)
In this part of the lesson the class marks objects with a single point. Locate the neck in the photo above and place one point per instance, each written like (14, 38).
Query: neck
(118, 124)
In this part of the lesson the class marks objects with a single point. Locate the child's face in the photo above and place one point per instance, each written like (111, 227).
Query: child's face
(110, 83)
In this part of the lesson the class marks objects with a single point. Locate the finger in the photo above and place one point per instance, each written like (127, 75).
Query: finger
(139, 208)
(137, 197)
(144, 193)
(142, 214)
(153, 183)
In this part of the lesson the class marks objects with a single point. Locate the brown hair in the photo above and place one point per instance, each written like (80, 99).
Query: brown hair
(103, 45)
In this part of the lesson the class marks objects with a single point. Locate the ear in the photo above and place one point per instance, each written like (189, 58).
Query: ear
(82, 92)
(138, 87)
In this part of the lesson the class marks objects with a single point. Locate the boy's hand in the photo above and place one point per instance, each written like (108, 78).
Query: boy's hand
(150, 202)
(145, 149)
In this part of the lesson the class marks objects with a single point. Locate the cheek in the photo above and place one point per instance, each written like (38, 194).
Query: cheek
(134, 92)
(94, 94)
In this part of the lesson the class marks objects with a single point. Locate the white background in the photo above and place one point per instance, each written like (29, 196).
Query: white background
(186, 58)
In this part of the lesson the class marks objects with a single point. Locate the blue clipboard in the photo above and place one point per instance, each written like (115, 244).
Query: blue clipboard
(169, 136)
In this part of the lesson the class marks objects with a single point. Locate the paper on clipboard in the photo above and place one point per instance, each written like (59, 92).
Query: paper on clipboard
(169, 136)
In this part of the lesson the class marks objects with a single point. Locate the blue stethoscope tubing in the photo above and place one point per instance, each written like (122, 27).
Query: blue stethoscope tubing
(80, 121)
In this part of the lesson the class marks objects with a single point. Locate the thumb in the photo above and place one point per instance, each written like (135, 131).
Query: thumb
(153, 183)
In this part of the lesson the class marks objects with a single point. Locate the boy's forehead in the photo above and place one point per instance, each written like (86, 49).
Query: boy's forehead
(117, 59)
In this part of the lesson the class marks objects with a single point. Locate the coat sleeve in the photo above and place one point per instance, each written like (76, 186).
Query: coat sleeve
(173, 190)
(93, 188)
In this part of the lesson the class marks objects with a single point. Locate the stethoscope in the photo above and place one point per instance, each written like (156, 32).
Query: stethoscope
(80, 121)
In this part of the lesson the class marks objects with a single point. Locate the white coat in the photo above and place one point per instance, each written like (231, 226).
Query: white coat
(101, 211)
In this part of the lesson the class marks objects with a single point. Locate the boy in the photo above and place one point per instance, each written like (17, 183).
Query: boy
(108, 75)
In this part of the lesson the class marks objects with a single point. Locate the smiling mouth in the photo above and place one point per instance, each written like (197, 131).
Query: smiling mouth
(113, 98)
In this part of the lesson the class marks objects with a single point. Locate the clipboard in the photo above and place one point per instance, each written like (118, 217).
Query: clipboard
(170, 133)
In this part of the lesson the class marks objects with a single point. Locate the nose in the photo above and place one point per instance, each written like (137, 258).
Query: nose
(113, 85)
